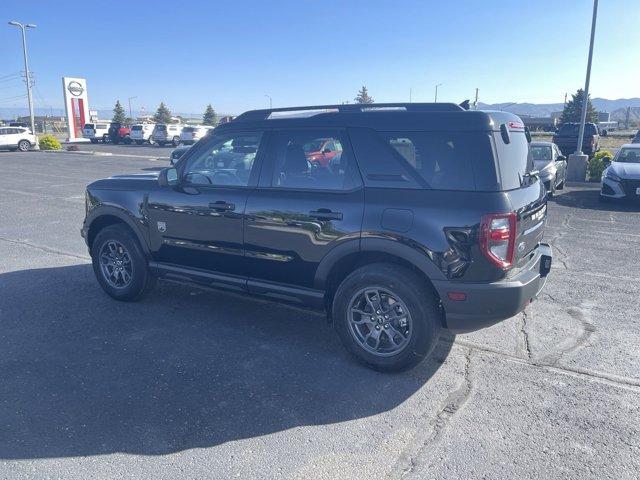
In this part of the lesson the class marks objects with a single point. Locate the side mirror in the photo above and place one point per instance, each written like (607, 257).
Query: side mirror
(168, 177)
(325, 151)
(561, 157)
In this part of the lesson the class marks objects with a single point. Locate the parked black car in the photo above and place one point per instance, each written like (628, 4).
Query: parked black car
(551, 165)
(426, 218)
(566, 137)
(178, 152)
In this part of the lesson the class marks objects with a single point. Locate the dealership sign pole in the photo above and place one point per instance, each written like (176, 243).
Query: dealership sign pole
(585, 100)
(76, 105)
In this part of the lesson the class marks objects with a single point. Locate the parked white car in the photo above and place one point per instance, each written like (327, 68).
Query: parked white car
(17, 138)
(163, 134)
(621, 179)
(192, 133)
(141, 133)
(96, 132)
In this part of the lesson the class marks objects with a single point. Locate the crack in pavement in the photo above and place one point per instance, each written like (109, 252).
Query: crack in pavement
(525, 346)
(408, 460)
(582, 340)
(44, 249)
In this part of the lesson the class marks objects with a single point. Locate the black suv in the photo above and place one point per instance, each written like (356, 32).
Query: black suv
(422, 217)
(566, 138)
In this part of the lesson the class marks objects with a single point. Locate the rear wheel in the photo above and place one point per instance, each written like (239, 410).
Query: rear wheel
(386, 317)
(24, 145)
(105, 139)
(120, 265)
(94, 140)
(176, 141)
(161, 144)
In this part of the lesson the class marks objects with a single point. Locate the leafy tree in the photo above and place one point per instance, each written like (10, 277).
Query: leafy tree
(573, 109)
(363, 96)
(209, 117)
(119, 116)
(163, 114)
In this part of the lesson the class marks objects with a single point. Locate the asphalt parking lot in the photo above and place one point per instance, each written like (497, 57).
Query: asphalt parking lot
(191, 383)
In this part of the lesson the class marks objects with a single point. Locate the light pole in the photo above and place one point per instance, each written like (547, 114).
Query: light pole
(26, 74)
(130, 115)
(435, 100)
(585, 100)
(270, 101)
(577, 165)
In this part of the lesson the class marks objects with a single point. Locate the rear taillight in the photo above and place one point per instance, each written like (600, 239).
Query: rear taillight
(498, 238)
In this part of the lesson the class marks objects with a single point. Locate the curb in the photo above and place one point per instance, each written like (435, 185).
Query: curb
(105, 154)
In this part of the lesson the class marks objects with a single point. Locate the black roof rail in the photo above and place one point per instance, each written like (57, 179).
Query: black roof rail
(263, 114)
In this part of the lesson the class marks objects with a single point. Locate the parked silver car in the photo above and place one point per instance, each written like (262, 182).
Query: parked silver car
(636, 139)
(551, 165)
(621, 179)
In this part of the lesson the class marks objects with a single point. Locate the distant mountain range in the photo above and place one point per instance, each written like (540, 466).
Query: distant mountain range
(617, 108)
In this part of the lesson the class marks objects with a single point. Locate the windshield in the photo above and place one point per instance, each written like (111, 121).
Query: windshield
(136, 127)
(541, 154)
(313, 146)
(628, 155)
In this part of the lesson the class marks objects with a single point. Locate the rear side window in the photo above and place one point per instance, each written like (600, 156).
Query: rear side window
(136, 127)
(514, 159)
(446, 160)
(302, 160)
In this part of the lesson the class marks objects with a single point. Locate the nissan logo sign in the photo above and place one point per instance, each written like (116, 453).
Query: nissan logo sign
(75, 89)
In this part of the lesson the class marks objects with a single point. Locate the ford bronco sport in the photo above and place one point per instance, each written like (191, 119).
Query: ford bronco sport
(427, 217)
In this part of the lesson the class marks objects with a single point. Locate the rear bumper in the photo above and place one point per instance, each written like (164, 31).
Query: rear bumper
(489, 303)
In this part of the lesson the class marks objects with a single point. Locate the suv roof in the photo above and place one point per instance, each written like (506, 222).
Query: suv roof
(398, 116)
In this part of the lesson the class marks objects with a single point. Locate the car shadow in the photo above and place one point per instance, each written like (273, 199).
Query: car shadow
(589, 198)
(83, 374)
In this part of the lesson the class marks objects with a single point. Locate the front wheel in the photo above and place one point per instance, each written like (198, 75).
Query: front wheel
(387, 317)
(120, 265)
(24, 145)
(176, 141)
(105, 139)
(93, 140)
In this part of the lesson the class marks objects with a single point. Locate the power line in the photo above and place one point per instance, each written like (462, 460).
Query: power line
(13, 98)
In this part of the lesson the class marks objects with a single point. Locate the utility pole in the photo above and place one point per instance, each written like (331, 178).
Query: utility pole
(435, 99)
(270, 101)
(577, 165)
(130, 115)
(410, 93)
(475, 102)
(585, 100)
(626, 121)
(27, 76)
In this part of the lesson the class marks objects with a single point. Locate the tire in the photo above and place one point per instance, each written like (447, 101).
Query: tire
(127, 140)
(421, 313)
(561, 185)
(140, 278)
(24, 145)
(93, 140)
(176, 141)
(161, 144)
(139, 142)
(105, 139)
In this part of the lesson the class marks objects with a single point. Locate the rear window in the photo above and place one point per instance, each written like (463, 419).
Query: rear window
(189, 129)
(136, 127)
(161, 128)
(88, 125)
(574, 128)
(514, 159)
(447, 160)
(101, 126)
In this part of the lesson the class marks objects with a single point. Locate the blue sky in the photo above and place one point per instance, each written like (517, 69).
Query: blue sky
(232, 53)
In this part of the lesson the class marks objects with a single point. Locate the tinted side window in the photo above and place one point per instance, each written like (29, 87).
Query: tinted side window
(224, 160)
(446, 160)
(514, 159)
(301, 159)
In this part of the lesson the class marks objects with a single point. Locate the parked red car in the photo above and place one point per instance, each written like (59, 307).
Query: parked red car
(322, 151)
(119, 133)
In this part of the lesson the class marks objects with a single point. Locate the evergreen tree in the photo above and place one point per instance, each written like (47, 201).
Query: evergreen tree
(573, 109)
(118, 113)
(363, 96)
(163, 114)
(209, 117)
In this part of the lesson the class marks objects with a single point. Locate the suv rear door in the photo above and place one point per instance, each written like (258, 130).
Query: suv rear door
(301, 210)
(198, 224)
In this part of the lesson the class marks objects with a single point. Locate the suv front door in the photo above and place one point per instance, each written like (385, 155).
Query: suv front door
(300, 211)
(198, 224)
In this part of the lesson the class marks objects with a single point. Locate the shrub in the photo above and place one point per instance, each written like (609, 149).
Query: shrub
(598, 163)
(49, 142)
